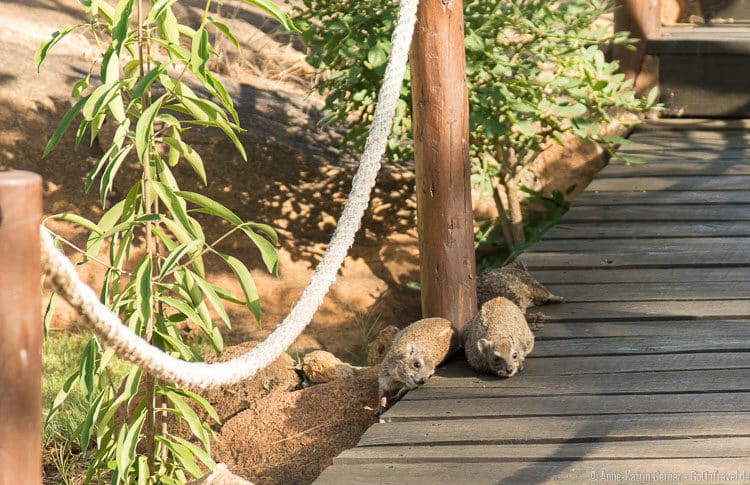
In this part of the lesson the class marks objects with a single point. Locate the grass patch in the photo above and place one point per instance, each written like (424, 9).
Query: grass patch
(64, 461)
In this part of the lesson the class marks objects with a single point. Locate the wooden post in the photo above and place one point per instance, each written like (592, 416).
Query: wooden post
(441, 131)
(20, 328)
(642, 19)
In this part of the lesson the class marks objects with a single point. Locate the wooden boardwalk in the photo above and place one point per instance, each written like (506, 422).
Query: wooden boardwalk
(643, 375)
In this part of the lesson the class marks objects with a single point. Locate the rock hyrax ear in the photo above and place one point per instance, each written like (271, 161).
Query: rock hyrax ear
(486, 347)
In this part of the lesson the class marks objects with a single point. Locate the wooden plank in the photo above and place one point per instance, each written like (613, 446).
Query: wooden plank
(574, 472)
(638, 253)
(725, 447)
(647, 310)
(695, 136)
(624, 275)
(437, 409)
(728, 342)
(622, 229)
(692, 125)
(673, 183)
(667, 213)
(689, 154)
(666, 244)
(472, 385)
(546, 429)
(618, 364)
(653, 291)
(696, 197)
(669, 168)
(595, 329)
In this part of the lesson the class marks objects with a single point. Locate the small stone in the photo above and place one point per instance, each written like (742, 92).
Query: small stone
(321, 366)
(220, 475)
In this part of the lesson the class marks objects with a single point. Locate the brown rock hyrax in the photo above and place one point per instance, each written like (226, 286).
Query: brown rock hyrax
(498, 338)
(415, 353)
(516, 284)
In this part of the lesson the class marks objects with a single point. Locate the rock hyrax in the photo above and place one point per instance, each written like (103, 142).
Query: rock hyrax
(415, 353)
(498, 338)
(516, 284)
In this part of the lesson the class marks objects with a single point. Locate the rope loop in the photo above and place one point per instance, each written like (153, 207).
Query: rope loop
(109, 328)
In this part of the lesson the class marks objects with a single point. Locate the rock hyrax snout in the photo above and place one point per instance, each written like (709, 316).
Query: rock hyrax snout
(412, 358)
(498, 339)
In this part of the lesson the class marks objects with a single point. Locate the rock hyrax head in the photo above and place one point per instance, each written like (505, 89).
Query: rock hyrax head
(414, 367)
(502, 356)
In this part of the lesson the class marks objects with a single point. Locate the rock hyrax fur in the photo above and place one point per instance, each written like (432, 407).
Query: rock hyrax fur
(415, 353)
(516, 284)
(498, 339)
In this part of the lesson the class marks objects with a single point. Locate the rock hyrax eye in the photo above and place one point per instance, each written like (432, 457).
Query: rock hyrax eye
(417, 364)
(515, 355)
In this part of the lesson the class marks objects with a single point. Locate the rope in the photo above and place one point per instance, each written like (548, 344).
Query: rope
(129, 346)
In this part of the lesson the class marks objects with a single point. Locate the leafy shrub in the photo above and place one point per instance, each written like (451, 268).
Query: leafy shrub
(535, 70)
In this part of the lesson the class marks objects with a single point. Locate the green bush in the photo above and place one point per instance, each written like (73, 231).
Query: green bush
(535, 70)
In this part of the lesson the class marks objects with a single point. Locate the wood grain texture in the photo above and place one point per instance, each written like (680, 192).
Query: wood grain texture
(725, 447)
(573, 472)
(624, 275)
(650, 197)
(697, 290)
(666, 213)
(618, 364)
(645, 229)
(548, 429)
(470, 385)
(457, 408)
(672, 183)
(648, 310)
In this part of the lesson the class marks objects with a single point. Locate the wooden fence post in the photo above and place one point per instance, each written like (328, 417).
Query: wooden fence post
(20, 328)
(441, 141)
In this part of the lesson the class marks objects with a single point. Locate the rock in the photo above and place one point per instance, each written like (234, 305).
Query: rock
(221, 476)
(321, 366)
(379, 346)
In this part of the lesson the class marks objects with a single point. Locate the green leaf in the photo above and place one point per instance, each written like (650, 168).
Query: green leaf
(64, 124)
(252, 300)
(41, 52)
(157, 9)
(376, 56)
(122, 13)
(99, 98)
(176, 254)
(199, 55)
(225, 30)
(109, 174)
(126, 444)
(212, 297)
(652, 95)
(144, 129)
(183, 308)
(186, 412)
(174, 205)
(210, 206)
(147, 80)
(182, 455)
(631, 160)
(144, 295)
(272, 9)
(191, 156)
(201, 401)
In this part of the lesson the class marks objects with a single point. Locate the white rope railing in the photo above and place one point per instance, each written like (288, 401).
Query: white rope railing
(129, 346)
